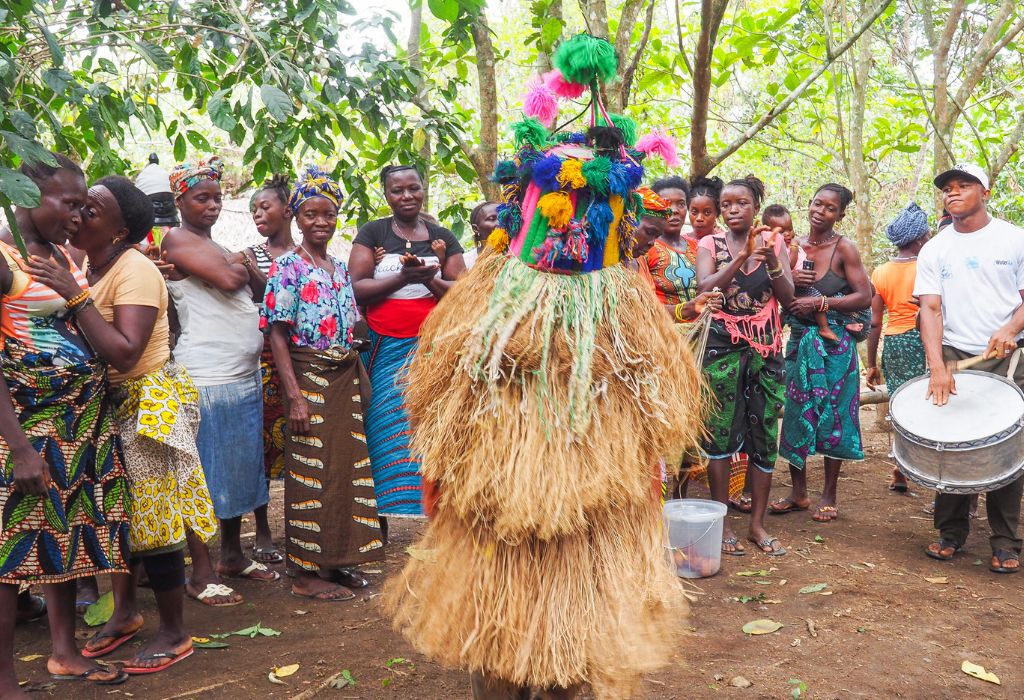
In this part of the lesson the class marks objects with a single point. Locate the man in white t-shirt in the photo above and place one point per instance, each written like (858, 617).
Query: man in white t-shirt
(970, 280)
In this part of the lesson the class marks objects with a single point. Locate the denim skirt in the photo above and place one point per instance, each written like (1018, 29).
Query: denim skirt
(231, 445)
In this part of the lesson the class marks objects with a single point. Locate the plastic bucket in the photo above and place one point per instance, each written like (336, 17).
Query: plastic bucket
(693, 536)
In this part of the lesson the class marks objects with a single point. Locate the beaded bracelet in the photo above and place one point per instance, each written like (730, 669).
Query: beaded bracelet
(77, 299)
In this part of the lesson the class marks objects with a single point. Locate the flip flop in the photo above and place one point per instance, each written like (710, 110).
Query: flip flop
(943, 544)
(120, 678)
(825, 514)
(144, 670)
(103, 651)
(320, 596)
(267, 555)
(766, 547)
(742, 504)
(214, 590)
(349, 578)
(733, 542)
(1003, 556)
(38, 611)
(786, 505)
(248, 571)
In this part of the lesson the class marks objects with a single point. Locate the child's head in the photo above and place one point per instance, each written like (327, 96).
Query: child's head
(777, 216)
(703, 205)
(269, 206)
(740, 202)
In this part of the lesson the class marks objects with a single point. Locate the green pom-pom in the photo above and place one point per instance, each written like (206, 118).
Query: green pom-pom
(627, 126)
(505, 171)
(530, 131)
(596, 173)
(585, 58)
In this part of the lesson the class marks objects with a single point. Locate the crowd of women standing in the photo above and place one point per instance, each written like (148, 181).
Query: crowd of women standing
(149, 399)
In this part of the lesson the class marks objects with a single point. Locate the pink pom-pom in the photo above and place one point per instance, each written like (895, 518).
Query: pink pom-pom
(658, 143)
(540, 102)
(557, 83)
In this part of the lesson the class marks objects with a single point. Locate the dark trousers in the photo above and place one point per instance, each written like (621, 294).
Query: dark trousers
(952, 518)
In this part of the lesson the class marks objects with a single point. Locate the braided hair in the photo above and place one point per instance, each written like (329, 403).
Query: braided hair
(710, 187)
(752, 183)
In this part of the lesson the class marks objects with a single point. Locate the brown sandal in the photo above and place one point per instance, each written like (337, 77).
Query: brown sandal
(786, 505)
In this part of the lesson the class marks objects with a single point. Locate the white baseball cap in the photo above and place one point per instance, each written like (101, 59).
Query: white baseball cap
(968, 170)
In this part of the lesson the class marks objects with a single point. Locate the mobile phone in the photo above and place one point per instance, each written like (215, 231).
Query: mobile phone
(809, 265)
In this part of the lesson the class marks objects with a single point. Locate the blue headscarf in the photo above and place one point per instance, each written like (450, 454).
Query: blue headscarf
(314, 182)
(908, 226)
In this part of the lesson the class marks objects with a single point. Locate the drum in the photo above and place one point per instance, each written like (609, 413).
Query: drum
(973, 444)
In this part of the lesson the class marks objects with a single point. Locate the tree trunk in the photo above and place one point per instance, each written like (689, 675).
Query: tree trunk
(711, 14)
(862, 60)
(484, 156)
(412, 48)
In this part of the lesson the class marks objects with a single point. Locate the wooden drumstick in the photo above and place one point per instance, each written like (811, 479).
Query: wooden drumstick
(960, 365)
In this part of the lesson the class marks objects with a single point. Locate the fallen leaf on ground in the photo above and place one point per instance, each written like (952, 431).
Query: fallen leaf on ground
(783, 582)
(937, 579)
(795, 642)
(30, 657)
(811, 629)
(285, 671)
(100, 612)
(427, 555)
(979, 672)
(274, 679)
(761, 572)
(740, 682)
(251, 632)
(301, 612)
(814, 588)
(210, 644)
(826, 593)
(762, 627)
(819, 538)
(344, 680)
(977, 562)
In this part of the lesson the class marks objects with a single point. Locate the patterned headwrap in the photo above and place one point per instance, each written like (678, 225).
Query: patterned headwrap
(314, 182)
(908, 226)
(653, 204)
(185, 176)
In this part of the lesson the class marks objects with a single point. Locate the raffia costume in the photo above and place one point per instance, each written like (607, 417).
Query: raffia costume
(541, 403)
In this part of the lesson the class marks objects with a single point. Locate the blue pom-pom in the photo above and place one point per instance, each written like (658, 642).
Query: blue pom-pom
(635, 174)
(545, 173)
(618, 180)
(600, 219)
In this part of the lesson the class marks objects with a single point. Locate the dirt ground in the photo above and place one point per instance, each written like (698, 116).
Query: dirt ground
(880, 629)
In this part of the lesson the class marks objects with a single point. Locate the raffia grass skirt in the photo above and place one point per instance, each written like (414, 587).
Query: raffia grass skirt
(540, 404)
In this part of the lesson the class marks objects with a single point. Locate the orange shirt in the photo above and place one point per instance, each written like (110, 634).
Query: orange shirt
(894, 282)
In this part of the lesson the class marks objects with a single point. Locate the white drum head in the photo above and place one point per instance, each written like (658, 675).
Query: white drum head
(982, 406)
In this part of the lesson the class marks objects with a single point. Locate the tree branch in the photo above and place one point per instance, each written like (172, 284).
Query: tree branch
(711, 14)
(800, 89)
(988, 47)
(679, 40)
(1010, 146)
(627, 76)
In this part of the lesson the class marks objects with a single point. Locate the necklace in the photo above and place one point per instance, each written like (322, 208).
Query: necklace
(96, 269)
(823, 241)
(396, 229)
(314, 260)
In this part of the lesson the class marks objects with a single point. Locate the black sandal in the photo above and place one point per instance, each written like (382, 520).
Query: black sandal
(944, 544)
(349, 578)
(1003, 556)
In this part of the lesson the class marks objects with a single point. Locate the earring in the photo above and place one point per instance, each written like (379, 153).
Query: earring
(116, 240)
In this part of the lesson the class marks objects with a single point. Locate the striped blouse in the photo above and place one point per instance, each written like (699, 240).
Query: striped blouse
(34, 314)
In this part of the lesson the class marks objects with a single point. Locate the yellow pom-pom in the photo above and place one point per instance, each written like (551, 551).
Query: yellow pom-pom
(571, 174)
(557, 207)
(498, 240)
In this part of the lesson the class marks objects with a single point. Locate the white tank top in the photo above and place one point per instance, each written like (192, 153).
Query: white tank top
(220, 340)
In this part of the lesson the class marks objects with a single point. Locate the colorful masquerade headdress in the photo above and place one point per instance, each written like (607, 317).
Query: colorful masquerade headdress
(185, 176)
(570, 200)
(314, 182)
(651, 204)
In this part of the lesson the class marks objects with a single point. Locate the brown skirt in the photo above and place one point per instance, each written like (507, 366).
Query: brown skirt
(330, 512)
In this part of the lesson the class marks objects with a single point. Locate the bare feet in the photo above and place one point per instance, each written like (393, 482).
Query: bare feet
(826, 333)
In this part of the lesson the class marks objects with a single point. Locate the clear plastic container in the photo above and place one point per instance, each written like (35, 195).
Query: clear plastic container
(693, 536)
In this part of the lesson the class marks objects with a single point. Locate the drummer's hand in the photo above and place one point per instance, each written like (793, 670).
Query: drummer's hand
(940, 385)
(1001, 344)
(873, 378)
